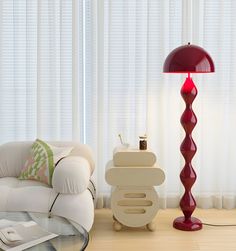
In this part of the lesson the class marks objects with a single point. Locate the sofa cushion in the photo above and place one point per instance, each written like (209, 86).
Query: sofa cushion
(33, 196)
(42, 160)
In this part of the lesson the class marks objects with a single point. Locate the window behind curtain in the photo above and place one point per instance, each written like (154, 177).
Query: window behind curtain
(39, 95)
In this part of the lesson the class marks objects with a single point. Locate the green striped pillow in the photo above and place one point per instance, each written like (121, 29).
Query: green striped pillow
(41, 162)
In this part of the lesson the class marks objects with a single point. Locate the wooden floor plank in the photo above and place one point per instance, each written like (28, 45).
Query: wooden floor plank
(166, 238)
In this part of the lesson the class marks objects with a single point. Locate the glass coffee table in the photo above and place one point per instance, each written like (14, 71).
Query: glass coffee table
(71, 236)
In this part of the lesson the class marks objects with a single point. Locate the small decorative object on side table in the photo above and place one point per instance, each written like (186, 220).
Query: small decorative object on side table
(143, 142)
(134, 201)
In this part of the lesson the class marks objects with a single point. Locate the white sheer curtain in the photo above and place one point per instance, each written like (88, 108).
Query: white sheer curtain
(88, 70)
(135, 97)
(45, 61)
(214, 29)
(35, 69)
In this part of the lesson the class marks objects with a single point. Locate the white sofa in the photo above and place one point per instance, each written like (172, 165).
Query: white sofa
(71, 180)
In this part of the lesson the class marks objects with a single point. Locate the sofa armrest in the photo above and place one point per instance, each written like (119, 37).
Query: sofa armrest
(71, 175)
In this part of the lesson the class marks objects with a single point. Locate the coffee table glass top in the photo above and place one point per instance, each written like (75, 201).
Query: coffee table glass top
(71, 236)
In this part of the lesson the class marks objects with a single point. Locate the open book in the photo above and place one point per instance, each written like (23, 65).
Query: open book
(16, 236)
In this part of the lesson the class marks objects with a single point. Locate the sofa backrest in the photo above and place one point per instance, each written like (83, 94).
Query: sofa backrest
(14, 154)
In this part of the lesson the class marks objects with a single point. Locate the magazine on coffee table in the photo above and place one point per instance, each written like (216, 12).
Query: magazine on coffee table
(16, 236)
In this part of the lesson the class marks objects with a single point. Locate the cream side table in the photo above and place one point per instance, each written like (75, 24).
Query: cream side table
(134, 201)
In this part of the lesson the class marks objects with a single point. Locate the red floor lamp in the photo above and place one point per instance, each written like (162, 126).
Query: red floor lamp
(188, 59)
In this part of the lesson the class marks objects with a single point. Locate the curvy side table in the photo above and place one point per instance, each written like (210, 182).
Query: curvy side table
(134, 201)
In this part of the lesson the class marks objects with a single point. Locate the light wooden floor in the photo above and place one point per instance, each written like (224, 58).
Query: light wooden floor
(165, 238)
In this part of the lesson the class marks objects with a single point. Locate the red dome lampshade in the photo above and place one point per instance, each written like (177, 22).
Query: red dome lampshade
(189, 59)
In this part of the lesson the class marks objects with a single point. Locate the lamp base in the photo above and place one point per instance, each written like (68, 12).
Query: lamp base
(191, 224)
